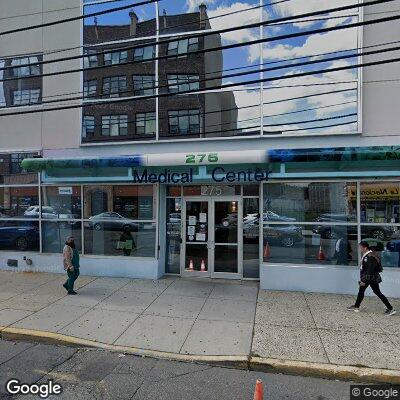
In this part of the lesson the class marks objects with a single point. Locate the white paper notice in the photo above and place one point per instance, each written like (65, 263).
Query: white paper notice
(203, 217)
(192, 220)
(200, 237)
(191, 230)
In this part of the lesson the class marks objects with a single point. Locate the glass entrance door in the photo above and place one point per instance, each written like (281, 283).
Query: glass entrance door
(195, 251)
(211, 237)
(226, 238)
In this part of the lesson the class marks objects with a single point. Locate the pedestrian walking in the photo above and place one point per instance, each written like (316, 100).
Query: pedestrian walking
(71, 264)
(370, 276)
(126, 242)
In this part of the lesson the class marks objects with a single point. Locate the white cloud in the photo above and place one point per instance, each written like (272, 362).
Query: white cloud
(242, 16)
(193, 5)
(297, 7)
(315, 44)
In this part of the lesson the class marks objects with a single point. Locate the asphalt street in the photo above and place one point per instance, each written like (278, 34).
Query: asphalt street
(95, 374)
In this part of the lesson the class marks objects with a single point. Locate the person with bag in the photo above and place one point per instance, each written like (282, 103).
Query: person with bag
(370, 276)
(71, 264)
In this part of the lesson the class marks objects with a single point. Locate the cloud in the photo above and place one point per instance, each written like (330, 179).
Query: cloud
(315, 44)
(242, 16)
(193, 5)
(301, 7)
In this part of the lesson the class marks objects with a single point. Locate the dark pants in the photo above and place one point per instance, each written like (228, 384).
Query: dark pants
(72, 277)
(376, 290)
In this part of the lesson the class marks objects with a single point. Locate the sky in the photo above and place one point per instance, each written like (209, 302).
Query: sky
(246, 12)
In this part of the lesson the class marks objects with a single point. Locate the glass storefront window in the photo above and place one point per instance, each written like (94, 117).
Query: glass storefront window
(306, 244)
(173, 245)
(119, 202)
(380, 202)
(19, 202)
(328, 202)
(386, 244)
(113, 239)
(19, 235)
(61, 202)
(54, 235)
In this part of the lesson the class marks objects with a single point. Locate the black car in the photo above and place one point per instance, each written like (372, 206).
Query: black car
(332, 232)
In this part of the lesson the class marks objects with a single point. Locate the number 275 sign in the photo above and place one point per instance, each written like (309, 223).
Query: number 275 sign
(202, 158)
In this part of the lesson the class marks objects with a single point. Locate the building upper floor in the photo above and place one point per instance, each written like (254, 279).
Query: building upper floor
(164, 72)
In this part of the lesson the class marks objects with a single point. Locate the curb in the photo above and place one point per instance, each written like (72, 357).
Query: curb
(255, 363)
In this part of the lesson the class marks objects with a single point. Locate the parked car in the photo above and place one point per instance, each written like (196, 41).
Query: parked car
(329, 232)
(270, 216)
(285, 235)
(112, 221)
(19, 235)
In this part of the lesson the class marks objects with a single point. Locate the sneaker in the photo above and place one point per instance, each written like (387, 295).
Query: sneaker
(65, 286)
(389, 312)
(353, 308)
(72, 292)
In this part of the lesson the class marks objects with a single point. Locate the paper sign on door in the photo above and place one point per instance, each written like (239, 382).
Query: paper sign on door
(203, 217)
(192, 220)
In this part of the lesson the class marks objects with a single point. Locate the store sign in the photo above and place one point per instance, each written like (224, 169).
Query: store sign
(218, 175)
(65, 191)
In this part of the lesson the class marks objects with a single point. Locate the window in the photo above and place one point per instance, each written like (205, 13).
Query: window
(183, 46)
(88, 126)
(114, 85)
(91, 59)
(143, 85)
(114, 125)
(144, 53)
(90, 88)
(30, 70)
(182, 83)
(116, 57)
(146, 123)
(184, 121)
(26, 97)
(16, 159)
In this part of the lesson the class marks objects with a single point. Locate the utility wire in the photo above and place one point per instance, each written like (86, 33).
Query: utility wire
(80, 17)
(243, 73)
(229, 85)
(222, 47)
(227, 30)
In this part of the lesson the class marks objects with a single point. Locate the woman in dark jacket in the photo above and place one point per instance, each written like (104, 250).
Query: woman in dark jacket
(370, 276)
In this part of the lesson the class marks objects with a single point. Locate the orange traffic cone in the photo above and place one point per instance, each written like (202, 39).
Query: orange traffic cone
(321, 254)
(203, 266)
(259, 391)
(191, 268)
(267, 250)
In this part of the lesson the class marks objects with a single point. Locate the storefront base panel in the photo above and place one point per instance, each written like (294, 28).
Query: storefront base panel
(139, 268)
(322, 279)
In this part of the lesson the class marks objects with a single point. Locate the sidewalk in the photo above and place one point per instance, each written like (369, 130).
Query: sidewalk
(230, 319)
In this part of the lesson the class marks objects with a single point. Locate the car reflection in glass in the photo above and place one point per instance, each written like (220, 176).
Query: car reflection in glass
(19, 235)
(112, 221)
(285, 235)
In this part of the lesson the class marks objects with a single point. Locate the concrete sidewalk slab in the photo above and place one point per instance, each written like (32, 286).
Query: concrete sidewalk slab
(344, 320)
(219, 338)
(148, 286)
(156, 333)
(234, 292)
(366, 349)
(100, 325)
(8, 316)
(131, 302)
(168, 305)
(190, 287)
(288, 343)
(283, 316)
(228, 310)
(52, 318)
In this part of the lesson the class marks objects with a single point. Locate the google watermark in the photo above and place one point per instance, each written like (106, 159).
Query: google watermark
(43, 390)
(374, 392)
